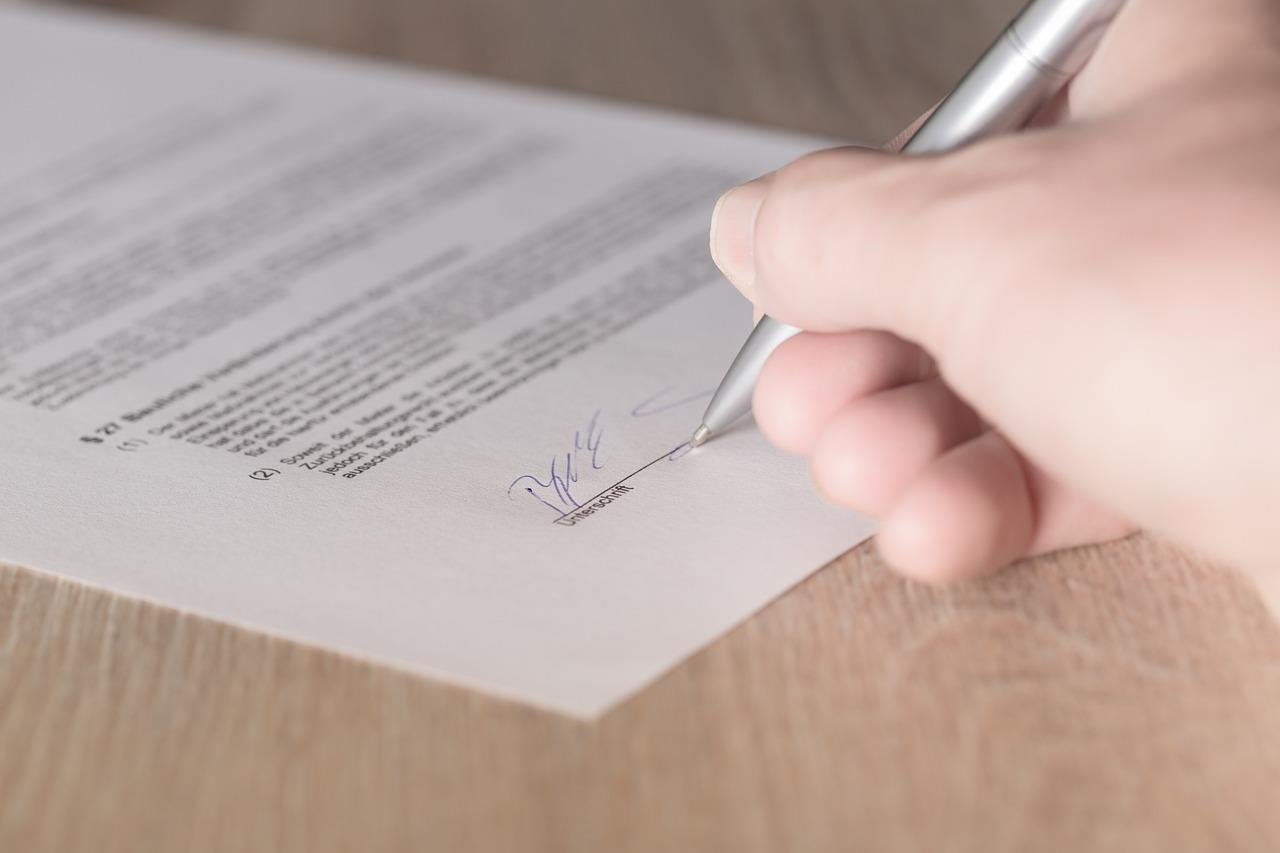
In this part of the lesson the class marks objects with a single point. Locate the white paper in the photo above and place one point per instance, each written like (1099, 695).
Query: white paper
(325, 348)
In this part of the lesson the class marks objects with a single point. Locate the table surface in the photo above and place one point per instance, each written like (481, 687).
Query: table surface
(1120, 698)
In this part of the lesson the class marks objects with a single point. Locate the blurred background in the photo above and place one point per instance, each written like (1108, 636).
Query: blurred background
(855, 69)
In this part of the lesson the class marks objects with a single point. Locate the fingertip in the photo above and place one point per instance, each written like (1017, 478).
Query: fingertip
(873, 449)
(920, 539)
(968, 515)
(909, 542)
(858, 461)
(841, 477)
(783, 403)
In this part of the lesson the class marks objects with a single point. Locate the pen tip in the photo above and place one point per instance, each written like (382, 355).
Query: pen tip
(700, 435)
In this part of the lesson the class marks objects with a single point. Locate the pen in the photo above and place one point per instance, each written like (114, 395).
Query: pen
(1032, 60)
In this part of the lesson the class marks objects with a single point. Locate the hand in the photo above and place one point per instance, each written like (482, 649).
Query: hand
(1049, 338)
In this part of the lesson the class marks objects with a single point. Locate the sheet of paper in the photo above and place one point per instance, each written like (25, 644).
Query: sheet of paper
(393, 363)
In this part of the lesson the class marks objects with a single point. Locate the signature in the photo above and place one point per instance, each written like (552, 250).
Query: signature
(555, 486)
(554, 489)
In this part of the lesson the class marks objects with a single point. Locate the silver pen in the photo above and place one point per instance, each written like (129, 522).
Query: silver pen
(1032, 60)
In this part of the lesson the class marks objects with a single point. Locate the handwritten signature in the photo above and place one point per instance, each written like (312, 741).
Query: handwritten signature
(555, 489)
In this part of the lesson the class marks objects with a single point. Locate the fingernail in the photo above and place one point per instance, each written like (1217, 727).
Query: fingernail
(733, 228)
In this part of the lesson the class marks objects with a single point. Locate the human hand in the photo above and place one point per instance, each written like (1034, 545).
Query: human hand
(1050, 338)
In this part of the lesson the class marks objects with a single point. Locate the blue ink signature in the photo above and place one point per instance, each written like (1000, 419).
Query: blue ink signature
(556, 491)
(662, 402)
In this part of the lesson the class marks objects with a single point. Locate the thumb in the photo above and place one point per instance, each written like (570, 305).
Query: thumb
(853, 239)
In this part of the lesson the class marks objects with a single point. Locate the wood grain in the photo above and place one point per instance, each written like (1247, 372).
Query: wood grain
(1114, 698)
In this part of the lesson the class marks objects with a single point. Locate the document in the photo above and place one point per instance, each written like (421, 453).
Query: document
(397, 364)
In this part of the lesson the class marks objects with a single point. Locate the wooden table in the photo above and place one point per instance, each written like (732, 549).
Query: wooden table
(1117, 698)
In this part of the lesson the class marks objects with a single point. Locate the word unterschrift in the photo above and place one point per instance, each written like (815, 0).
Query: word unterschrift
(599, 503)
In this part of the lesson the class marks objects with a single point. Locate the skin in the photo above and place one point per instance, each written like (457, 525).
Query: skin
(1051, 338)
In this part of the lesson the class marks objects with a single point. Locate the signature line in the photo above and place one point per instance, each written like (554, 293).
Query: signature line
(666, 455)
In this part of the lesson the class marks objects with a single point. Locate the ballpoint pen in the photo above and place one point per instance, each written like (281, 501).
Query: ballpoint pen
(1047, 44)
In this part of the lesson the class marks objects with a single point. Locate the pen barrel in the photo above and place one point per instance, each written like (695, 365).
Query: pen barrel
(732, 399)
(1062, 34)
(1047, 44)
